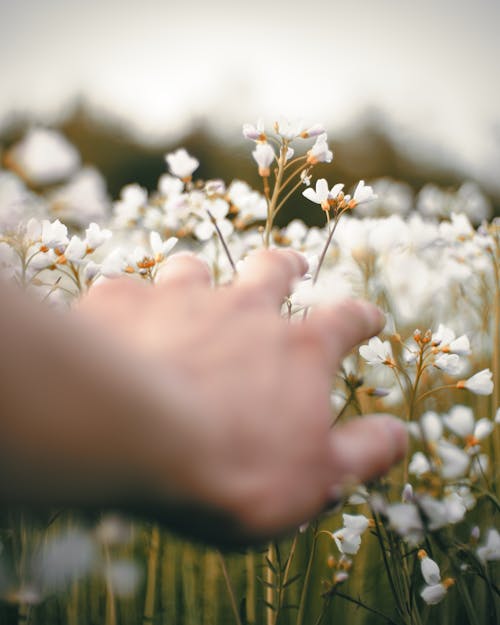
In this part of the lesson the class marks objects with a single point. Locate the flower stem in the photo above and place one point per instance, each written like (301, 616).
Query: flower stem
(307, 577)
(230, 590)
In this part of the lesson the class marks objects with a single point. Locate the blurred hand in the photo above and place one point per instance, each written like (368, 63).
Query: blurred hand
(246, 397)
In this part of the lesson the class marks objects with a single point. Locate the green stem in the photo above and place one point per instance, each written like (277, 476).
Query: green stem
(360, 603)
(230, 590)
(307, 577)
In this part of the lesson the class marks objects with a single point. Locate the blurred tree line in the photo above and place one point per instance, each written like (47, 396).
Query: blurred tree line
(367, 153)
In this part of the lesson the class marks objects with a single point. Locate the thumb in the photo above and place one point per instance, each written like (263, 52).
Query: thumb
(365, 448)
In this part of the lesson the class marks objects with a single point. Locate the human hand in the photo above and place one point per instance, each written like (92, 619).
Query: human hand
(244, 436)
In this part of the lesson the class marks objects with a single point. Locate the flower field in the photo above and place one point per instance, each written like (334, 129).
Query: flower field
(418, 546)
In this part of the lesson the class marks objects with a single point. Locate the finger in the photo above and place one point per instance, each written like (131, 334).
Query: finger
(271, 273)
(184, 270)
(344, 326)
(365, 448)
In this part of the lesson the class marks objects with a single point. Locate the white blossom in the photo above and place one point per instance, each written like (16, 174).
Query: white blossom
(429, 569)
(491, 548)
(480, 384)
(254, 132)
(45, 156)
(434, 594)
(264, 156)
(181, 164)
(377, 352)
(320, 152)
(363, 193)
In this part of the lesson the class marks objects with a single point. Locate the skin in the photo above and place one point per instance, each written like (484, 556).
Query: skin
(200, 408)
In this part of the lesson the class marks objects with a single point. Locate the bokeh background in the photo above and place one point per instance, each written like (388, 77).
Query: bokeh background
(406, 89)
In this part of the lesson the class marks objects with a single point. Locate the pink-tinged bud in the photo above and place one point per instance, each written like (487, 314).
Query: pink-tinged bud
(255, 133)
(320, 153)
(264, 155)
(313, 131)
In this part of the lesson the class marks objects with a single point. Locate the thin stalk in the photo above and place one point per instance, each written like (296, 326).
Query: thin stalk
(110, 618)
(270, 583)
(276, 190)
(307, 578)
(390, 577)
(284, 578)
(230, 590)
(360, 603)
(224, 244)
(327, 245)
(152, 569)
(251, 602)
(292, 162)
(496, 347)
(326, 605)
(469, 607)
(434, 390)
(292, 190)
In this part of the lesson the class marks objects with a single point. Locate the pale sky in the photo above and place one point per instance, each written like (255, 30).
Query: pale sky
(431, 66)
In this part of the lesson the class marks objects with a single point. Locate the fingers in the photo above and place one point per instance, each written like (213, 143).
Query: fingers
(270, 273)
(344, 326)
(364, 449)
(184, 270)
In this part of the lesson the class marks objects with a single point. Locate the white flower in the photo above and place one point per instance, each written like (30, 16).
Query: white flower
(255, 133)
(460, 420)
(82, 199)
(491, 549)
(170, 185)
(114, 264)
(161, 248)
(264, 155)
(322, 195)
(419, 464)
(54, 235)
(127, 209)
(377, 352)
(44, 156)
(449, 363)
(181, 164)
(320, 152)
(348, 539)
(404, 518)
(455, 461)
(480, 384)
(429, 568)
(435, 593)
(356, 522)
(497, 416)
(430, 426)
(288, 130)
(444, 340)
(95, 236)
(363, 193)
(313, 131)
(75, 250)
(439, 513)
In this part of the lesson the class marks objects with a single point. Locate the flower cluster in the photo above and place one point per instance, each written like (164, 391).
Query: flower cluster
(430, 261)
